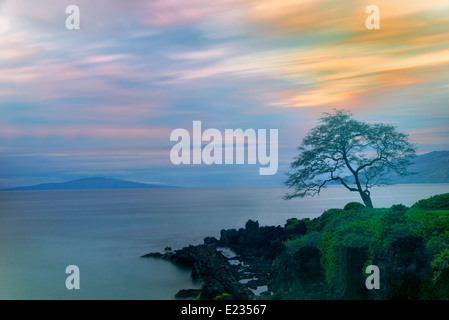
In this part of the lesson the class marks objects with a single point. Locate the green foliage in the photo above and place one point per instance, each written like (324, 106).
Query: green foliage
(312, 224)
(437, 202)
(219, 297)
(328, 217)
(329, 255)
(400, 208)
(291, 223)
(198, 297)
(433, 226)
(310, 239)
(428, 223)
(441, 262)
(392, 217)
(354, 206)
(376, 229)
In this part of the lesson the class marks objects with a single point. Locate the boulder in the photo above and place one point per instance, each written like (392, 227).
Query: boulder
(300, 276)
(405, 269)
(211, 268)
(211, 241)
(254, 240)
(350, 281)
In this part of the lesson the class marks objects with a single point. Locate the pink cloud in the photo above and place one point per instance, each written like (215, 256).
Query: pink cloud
(103, 58)
(125, 110)
(52, 81)
(91, 132)
(201, 54)
(14, 45)
(100, 15)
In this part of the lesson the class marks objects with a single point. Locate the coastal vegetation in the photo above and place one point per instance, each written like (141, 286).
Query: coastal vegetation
(327, 257)
(423, 229)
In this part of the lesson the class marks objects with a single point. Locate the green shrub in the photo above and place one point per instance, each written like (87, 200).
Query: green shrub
(376, 229)
(291, 223)
(433, 226)
(310, 239)
(328, 246)
(332, 218)
(392, 217)
(440, 262)
(313, 224)
(428, 223)
(354, 206)
(437, 202)
(351, 231)
(399, 208)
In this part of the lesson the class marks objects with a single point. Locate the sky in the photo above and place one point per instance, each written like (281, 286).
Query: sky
(103, 100)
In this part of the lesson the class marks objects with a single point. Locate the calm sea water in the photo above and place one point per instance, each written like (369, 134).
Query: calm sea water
(104, 233)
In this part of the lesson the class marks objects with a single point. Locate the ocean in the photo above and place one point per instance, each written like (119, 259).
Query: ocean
(104, 233)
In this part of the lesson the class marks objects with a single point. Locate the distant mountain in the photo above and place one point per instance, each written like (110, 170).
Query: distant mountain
(89, 184)
(431, 167)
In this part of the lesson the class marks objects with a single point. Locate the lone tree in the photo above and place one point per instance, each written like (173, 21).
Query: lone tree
(354, 153)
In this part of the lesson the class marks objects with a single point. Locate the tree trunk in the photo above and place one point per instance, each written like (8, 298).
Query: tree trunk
(366, 199)
(365, 196)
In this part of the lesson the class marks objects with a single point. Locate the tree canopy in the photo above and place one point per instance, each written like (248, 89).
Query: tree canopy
(353, 153)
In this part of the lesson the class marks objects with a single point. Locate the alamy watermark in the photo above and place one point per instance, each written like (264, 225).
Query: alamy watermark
(190, 150)
(373, 280)
(73, 280)
(373, 20)
(73, 20)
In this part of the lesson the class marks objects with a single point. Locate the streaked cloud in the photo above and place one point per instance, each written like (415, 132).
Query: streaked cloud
(106, 97)
(91, 132)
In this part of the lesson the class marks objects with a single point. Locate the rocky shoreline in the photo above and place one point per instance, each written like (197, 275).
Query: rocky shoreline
(327, 257)
(249, 263)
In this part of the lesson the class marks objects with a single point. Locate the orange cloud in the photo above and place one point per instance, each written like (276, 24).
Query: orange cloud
(345, 60)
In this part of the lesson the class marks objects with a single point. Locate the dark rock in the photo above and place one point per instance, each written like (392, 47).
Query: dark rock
(153, 255)
(254, 240)
(300, 276)
(252, 226)
(284, 275)
(266, 293)
(229, 237)
(186, 256)
(350, 281)
(405, 269)
(211, 241)
(309, 269)
(211, 268)
(256, 268)
(218, 276)
(188, 294)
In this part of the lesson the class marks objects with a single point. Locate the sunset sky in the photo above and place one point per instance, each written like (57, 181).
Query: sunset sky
(103, 100)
